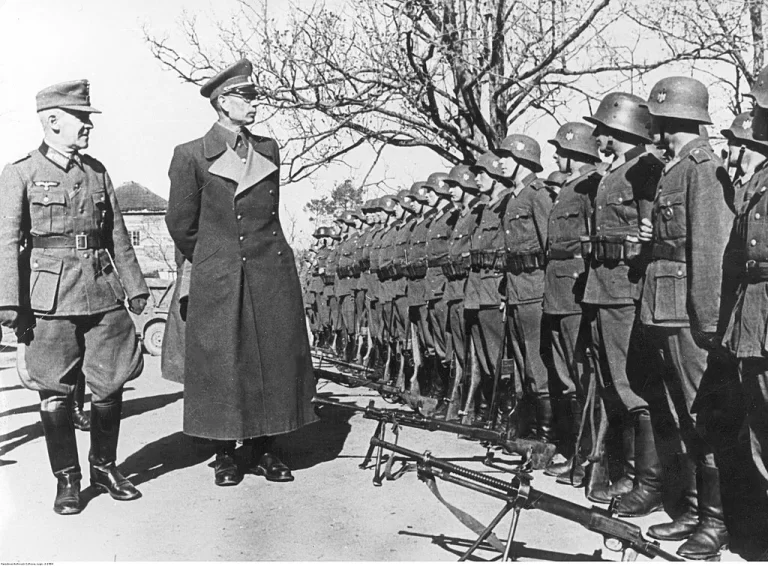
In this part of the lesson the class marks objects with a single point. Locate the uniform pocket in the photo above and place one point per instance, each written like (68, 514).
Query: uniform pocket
(44, 285)
(671, 209)
(99, 207)
(671, 296)
(48, 211)
(111, 276)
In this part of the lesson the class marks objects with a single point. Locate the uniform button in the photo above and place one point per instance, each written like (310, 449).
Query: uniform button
(279, 253)
(239, 216)
(669, 203)
(753, 243)
(273, 213)
(86, 255)
(45, 199)
(507, 231)
(244, 259)
(598, 228)
(242, 238)
(600, 207)
(575, 274)
(274, 232)
(37, 264)
(762, 189)
(271, 192)
(757, 215)
(679, 271)
(47, 188)
(243, 160)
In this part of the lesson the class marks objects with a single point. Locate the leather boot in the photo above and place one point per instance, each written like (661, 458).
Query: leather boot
(711, 535)
(597, 480)
(545, 430)
(626, 482)
(225, 469)
(686, 524)
(62, 454)
(569, 412)
(646, 496)
(105, 431)
(576, 475)
(80, 418)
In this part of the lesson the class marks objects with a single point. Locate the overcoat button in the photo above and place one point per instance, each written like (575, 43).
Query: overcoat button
(244, 259)
(753, 243)
(242, 238)
(279, 253)
(274, 232)
(757, 215)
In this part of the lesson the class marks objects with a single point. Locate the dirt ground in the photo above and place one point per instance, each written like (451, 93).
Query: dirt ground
(331, 512)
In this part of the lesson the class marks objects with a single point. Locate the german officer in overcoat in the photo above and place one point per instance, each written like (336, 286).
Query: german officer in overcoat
(248, 372)
(65, 292)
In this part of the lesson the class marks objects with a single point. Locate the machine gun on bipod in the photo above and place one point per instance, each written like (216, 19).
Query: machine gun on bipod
(537, 453)
(618, 535)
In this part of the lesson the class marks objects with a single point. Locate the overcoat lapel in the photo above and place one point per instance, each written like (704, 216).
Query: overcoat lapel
(257, 168)
(228, 166)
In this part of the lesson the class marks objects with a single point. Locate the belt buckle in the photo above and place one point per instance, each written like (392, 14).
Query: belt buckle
(81, 242)
(751, 264)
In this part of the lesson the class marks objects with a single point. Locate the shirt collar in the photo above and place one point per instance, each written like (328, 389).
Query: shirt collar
(60, 159)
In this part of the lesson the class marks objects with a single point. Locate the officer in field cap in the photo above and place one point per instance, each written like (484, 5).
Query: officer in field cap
(240, 383)
(65, 292)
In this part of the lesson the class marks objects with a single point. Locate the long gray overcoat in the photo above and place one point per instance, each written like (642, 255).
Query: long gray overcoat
(248, 369)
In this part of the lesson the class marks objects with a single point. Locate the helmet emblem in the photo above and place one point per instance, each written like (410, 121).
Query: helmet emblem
(495, 162)
(441, 184)
(746, 124)
(466, 177)
(661, 96)
(520, 146)
(569, 136)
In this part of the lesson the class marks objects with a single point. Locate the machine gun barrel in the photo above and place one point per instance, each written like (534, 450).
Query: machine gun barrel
(618, 534)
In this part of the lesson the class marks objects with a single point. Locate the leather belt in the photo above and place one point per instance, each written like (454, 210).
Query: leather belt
(561, 254)
(666, 251)
(756, 271)
(436, 262)
(77, 242)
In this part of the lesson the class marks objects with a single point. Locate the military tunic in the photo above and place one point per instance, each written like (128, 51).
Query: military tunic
(346, 283)
(614, 284)
(566, 276)
(74, 273)
(526, 224)
(681, 295)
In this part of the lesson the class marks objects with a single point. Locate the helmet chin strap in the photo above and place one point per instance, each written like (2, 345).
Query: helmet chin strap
(515, 172)
(568, 166)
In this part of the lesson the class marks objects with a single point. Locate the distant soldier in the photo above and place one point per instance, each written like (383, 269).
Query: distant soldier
(612, 296)
(576, 154)
(526, 222)
(316, 284)
(248, 371)
(689, 229)
(346, 283)
(65, 293)
(744, 155)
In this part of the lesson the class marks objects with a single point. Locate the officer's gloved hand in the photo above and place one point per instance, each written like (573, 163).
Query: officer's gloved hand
(137, 304)
(645, 233)
(9, 317)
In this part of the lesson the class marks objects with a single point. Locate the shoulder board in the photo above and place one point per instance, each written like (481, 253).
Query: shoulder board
(602, 168)
(22, 158)
(701, 154)
(537, 185)
(93, 162)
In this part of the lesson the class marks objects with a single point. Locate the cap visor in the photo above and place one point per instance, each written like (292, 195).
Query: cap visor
(89, 109)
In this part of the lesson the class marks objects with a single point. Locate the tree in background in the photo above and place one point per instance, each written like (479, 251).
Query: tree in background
(344, 196)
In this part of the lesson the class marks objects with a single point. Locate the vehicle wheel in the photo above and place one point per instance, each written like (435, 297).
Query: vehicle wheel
(153, 338)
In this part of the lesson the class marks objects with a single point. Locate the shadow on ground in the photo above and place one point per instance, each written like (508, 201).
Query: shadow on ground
(30, 432)
(458, 546)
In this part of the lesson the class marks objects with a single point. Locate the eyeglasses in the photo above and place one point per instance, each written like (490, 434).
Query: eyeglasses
(247, 97)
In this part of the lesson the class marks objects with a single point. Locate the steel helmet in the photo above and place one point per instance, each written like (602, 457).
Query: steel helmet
(323, 232)
(680, 97)
(760, 88)
(436, 182)
(371, 205)
(523, 148)
(556, 179)
(623, 112)
(463, 176)
(741, 128)
(387, 203)
(576, 137)
(491, 163)
(418, 192)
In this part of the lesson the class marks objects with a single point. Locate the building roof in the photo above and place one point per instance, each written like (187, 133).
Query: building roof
(135, 198)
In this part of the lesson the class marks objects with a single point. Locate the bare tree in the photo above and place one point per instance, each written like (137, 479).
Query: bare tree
(726, 35)
(452, 76)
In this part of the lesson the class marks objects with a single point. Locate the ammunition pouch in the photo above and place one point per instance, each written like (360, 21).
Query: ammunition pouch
(756, 271)
(607, 249)
(526, 262)
(457, 268)
(364, 265)
(328, 278)
(562, 254)
(437, 262)
(668, 251)
(484, 259)
(417, 269)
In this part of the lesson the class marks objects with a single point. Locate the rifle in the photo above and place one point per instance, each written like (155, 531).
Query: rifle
(538, 453)
(618, 535)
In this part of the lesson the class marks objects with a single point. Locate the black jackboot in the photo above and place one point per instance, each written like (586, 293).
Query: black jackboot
(569, 412)
(105, 431)
(62, 454)
(80, 418)
(684, 525)
(646, 496)
(711, 535)
(626, 482)
(597, 479)
(545, 430)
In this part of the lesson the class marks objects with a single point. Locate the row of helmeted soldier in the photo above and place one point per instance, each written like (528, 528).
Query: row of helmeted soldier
(631, 302)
